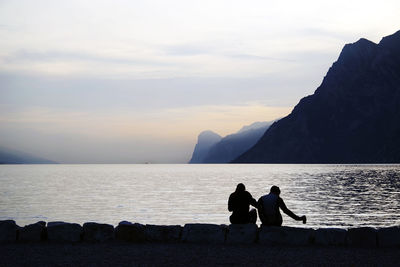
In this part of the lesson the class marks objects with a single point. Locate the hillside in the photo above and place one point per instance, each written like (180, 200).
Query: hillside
(9, 156)
(353, 116)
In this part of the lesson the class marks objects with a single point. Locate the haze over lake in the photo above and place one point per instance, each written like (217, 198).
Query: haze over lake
(330, 195)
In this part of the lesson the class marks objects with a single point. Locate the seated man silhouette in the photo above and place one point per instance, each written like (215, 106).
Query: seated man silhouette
(239, 203)
(268, 209)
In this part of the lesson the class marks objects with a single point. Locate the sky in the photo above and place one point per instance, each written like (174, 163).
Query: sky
(136, 81)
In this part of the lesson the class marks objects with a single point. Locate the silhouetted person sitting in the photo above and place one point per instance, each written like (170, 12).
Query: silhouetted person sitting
(239, 203)
(268, 209)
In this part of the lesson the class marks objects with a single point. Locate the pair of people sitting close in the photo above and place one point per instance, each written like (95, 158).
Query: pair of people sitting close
(268, 207)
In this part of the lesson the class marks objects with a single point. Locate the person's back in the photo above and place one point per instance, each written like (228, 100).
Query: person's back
(239, 203)
(270, 214)
(269, 206)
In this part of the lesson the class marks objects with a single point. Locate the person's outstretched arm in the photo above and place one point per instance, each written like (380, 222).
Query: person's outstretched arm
(289, 212)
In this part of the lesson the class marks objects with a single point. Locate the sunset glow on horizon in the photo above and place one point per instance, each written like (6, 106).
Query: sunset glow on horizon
(137, 81)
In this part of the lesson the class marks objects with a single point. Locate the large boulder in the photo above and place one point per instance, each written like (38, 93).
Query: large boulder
(331, 237)
(362, 237)
(273, 235)
(64, 232)
(204, 233)
(242, 234)
(8, 231)
(126, 231)
(389, 237)
(163, 233)
(33, 232)
(97, 232)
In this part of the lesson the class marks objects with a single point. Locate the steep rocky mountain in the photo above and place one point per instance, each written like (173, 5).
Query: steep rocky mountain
(233, 145)
(353, 116)
(9, 156)
(205, 141)
(211, 148)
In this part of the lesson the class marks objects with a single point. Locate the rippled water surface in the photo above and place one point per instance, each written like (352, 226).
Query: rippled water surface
(330, 195)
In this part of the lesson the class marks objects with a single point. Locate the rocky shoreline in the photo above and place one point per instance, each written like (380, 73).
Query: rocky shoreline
(241, 234)
(133, 244)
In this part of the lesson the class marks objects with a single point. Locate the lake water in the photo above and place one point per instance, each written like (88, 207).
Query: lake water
(330, 195)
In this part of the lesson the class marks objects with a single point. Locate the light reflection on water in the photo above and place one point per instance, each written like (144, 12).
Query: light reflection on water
(330, 195)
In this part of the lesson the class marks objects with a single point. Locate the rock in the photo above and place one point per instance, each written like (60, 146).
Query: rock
(126, 231)
(163, 233)
(389, 237)
(204, 233)
(331, 237)
(205, 141)
(362, 237)
(64, 232)
(43, 223)
(32, 232)
(96, 232)
(8, 231)
(273, 235)
(242, 234)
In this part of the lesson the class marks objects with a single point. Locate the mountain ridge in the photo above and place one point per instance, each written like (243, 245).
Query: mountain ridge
(352, 117)
(205, 141)
(10, 156)
(229, 147)
(232, 145)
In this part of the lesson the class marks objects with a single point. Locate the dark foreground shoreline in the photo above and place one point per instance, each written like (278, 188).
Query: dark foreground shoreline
(162, 254)
(128, 244)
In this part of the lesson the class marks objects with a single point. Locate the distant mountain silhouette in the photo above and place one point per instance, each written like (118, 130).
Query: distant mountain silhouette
(205, 141)
(353, 116)
(233, 145)
(256, 126)
(9, 156)
(228, 148)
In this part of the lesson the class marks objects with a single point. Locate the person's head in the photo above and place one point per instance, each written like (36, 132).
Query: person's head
(275, 190)
(240, 188)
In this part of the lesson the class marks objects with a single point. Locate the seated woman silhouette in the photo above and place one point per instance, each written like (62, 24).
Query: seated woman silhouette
(239, 203)
(268, 209)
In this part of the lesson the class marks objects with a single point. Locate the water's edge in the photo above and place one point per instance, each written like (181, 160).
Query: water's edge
(329, 195)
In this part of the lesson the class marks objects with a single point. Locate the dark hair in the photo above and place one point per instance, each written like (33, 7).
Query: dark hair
(240, 187)
(275, 190)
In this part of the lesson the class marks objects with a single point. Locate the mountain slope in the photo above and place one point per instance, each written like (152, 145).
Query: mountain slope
(353, 116)
(205, 141)
(9, 156)
(234, 145)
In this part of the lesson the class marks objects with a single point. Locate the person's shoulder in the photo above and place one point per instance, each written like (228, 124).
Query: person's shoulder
(262, 197)
(248, 194)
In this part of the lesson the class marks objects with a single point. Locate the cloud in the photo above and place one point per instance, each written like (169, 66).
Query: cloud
(94, 93)
(255, 57)
(125, 122)
(325, 32)
(21, 56)
(188, 50)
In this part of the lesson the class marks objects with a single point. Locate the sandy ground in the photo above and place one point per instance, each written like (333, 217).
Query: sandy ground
(127, 254)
